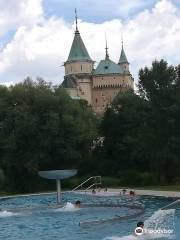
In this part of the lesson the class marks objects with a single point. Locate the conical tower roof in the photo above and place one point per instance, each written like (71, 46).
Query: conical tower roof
(78, 50)
(123, 58)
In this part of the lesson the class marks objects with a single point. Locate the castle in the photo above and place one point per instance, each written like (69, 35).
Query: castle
(97, 86)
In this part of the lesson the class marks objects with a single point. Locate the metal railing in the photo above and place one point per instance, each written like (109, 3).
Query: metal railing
(94, 182)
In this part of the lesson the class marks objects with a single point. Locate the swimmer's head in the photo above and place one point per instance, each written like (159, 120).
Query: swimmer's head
(78, 204)
(140, 224)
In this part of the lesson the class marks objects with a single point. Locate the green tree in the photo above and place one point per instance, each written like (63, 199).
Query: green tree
(142, 131)
(159, 85)
(42, 128)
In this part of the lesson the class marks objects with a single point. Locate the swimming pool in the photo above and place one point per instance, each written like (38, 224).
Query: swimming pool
(38, 218)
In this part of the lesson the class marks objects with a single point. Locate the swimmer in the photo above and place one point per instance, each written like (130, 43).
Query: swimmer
(93, 191)
(140, 225)
(77, 204)
(132, 193)
(124, 191)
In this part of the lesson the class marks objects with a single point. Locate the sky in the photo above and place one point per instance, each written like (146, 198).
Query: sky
(36, 35)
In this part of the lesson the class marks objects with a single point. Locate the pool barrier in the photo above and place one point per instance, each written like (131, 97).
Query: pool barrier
(140, 209)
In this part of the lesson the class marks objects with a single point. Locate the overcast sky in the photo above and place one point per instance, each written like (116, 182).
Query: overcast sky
(36, 35)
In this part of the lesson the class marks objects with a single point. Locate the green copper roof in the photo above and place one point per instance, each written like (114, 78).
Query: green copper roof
(108, 67)
(78, 50)
(123, 58)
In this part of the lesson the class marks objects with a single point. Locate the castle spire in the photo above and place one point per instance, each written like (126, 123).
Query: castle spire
(76, 17)
(78, 50)
(122, 40)
(123, 58)
(107, 55)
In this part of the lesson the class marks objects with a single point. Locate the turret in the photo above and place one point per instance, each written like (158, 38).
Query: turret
(78, 60)
(123, 62)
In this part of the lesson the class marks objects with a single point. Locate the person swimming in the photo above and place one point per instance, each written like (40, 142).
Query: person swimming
(139, 229)
(77, 204)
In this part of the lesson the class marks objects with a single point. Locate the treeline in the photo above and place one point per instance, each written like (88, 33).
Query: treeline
(42, 128)
(142, 131)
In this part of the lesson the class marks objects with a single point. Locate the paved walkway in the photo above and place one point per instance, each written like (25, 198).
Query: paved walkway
(150, 192)
(111, 192)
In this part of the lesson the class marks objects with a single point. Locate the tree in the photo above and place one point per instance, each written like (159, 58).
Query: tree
(159, 85)
(142, 132)
(42, 128)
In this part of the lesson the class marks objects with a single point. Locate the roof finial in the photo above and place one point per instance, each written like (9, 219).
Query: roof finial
(76, 20)
(107, 55)
(122, 39)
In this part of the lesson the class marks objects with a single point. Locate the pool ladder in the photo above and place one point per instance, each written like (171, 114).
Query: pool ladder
(92, 182)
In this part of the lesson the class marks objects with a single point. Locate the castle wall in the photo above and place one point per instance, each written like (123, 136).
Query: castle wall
(77, 67)
(125, 66)
(73, 93)
(106, 88)
(85, 89)
(79, 86)
(102, 97)
(113, 80)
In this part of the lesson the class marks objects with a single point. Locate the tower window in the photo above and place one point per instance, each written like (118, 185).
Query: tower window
(96, 100)
(81, 67)
(71, 68)
(106, 67)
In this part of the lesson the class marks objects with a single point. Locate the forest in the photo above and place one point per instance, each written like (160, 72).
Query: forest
(42, 128)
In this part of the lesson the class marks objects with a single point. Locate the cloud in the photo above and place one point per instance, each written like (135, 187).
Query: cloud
(15, 13)
(40, 48)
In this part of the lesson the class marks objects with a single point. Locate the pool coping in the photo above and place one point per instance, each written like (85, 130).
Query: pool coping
(172, 194)
(148, 192)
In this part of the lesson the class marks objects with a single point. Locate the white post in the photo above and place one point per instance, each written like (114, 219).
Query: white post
(58, 183)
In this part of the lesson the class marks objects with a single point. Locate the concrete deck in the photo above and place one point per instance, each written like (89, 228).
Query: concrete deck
(149, 192)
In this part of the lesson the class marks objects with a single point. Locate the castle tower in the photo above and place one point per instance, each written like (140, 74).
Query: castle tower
(78, 69)
(110, 79)
(123, 62)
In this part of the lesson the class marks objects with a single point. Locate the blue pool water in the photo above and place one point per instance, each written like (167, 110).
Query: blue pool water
(38, 218)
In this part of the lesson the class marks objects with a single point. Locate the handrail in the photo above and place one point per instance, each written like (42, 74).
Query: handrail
(94, 184)
(97, 180)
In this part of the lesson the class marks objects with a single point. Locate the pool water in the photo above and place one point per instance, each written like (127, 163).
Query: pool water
(38, 217)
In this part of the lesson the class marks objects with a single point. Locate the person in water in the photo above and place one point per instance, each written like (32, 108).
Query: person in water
(77, 204)
(132, 193)
(140, 226)
(93, 191)
(124, 191)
